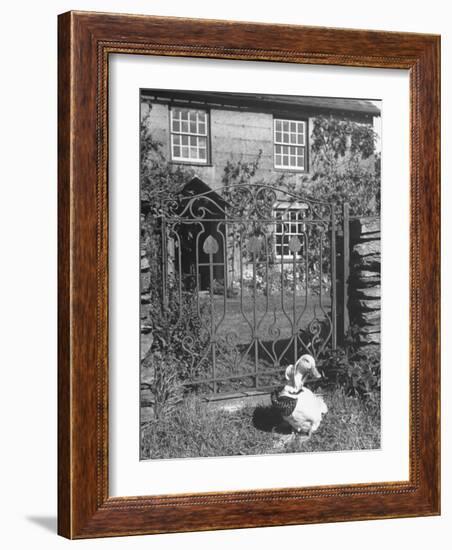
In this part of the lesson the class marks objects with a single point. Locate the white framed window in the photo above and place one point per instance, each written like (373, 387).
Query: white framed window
(290, 141)
(288, 224)
(189, 135)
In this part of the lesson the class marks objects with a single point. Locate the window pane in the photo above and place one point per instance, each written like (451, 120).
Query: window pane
(289, 143)
(186, 126)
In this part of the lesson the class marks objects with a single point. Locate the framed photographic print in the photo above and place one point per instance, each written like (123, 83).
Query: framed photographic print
(248, 275)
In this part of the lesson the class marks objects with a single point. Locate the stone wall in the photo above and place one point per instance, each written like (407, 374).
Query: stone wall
(145, 305)
(364, 284)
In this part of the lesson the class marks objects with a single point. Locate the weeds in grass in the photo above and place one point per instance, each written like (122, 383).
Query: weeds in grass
(196, 429)
(166, 388)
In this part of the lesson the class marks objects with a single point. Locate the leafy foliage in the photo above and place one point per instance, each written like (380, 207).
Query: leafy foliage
(356, 370)
(160, 180)
(172, 354)
(239, 173)
(345, 165)
(333, 138)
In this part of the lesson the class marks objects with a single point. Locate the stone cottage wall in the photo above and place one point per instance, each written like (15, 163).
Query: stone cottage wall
(145, 300)
(235, 135)
(364, 286)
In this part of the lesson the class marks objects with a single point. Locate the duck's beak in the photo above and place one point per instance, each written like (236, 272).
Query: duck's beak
(315, 373)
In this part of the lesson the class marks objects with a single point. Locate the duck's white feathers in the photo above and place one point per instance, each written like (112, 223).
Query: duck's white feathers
(308, 412)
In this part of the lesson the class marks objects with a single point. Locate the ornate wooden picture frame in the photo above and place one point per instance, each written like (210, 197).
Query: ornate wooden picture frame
(86, 40)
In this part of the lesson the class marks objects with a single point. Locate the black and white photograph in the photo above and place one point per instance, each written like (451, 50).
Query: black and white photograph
(224, 232)
(260, 274)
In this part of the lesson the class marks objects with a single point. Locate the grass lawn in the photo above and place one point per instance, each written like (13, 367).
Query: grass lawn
(195, 430)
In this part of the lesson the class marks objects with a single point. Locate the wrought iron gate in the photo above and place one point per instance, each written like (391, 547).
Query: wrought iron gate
(255, 267)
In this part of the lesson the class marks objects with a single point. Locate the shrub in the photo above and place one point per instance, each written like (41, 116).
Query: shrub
(356, 371)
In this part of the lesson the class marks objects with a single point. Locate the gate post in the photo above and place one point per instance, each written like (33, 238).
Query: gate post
(345, 269)
(164, 267)
(343, 273)
(333, 277)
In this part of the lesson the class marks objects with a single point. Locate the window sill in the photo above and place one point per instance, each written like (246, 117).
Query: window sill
(291, 171)
(189, 163)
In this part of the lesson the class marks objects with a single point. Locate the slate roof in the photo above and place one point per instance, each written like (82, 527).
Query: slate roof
(266, 101)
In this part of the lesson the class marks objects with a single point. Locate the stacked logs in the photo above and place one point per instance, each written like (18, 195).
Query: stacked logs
(364, 282)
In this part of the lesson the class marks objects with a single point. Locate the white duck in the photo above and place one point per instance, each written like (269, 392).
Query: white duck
(298, 406)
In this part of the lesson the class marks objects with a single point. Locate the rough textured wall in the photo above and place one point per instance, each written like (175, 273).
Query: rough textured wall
(364, 282)
(234, 136)
(238, 135)
(145, 299)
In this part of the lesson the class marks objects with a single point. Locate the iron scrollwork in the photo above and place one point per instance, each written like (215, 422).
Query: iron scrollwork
(259, 309)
